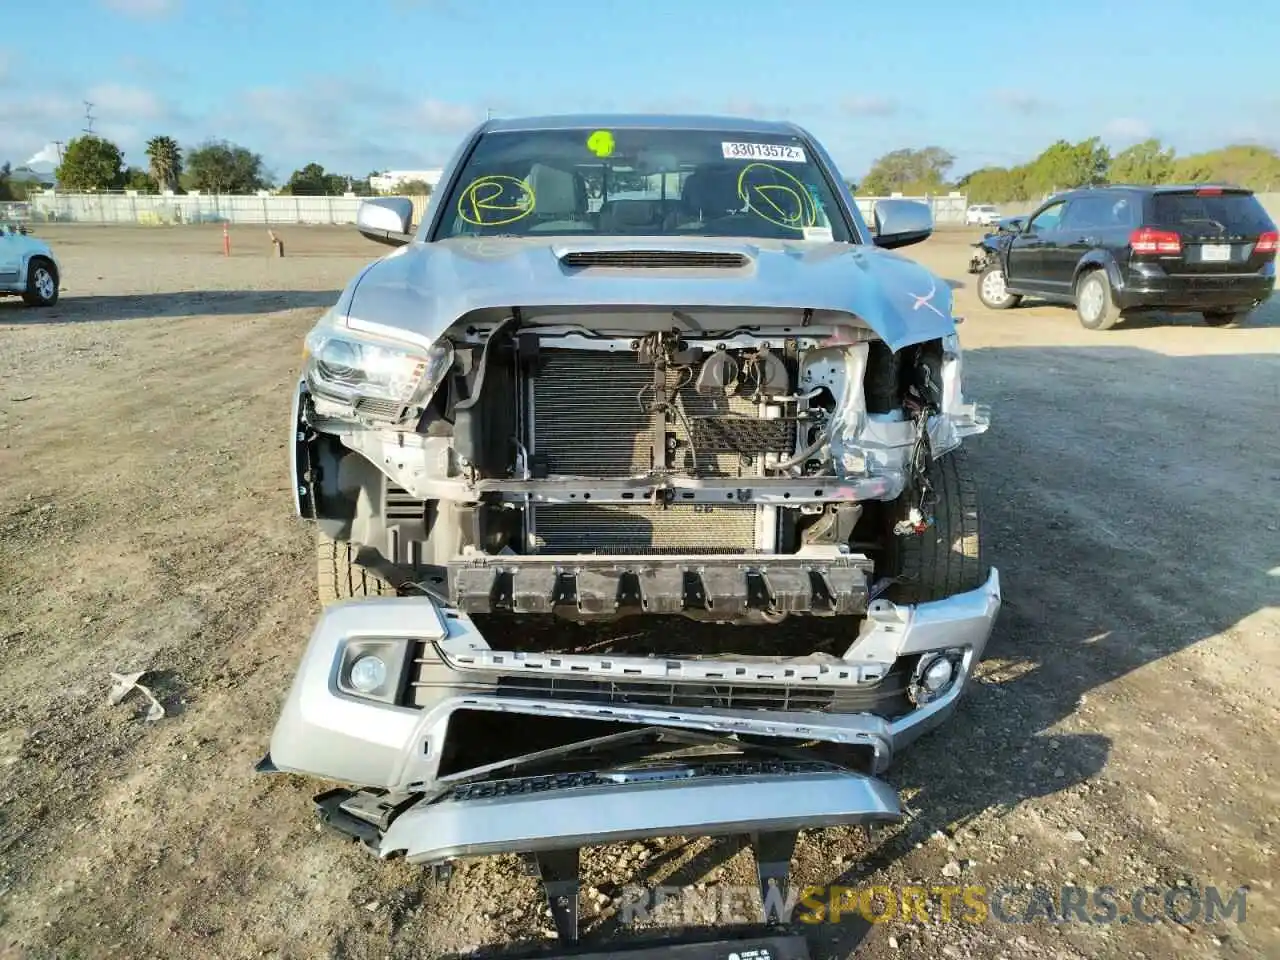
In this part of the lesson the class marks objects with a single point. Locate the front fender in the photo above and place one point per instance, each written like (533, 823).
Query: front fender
(38, 251)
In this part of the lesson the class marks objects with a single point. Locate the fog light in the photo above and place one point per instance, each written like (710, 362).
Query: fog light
(935, 675)
(368, 674)
(938, 674)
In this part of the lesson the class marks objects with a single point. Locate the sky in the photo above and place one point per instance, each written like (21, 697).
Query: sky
(362, 85)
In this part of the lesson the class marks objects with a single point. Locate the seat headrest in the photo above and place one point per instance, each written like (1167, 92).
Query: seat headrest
(712, 191)
(555, 191)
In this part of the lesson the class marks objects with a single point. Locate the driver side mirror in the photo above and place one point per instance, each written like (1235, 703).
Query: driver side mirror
(900, 223)
(386, 220)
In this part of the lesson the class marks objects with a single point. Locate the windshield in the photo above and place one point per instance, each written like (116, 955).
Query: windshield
(639, 182)
(1239, 213)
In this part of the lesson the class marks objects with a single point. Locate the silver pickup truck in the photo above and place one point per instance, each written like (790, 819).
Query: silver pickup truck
(653, 367)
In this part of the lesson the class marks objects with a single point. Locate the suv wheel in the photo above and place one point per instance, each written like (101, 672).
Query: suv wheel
(42, 283)
(992, 290)
(1094, 305)
(1224, 318)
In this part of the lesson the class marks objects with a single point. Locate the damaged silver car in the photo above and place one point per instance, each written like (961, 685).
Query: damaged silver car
(646, 367)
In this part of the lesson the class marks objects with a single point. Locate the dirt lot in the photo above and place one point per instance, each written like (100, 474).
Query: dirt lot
(1123, 732)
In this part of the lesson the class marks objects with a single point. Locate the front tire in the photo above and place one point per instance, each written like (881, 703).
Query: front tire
(340, 575)
(1095, 306)
(992, 290)
(947, 558)
(1225, 318)
(42, 283)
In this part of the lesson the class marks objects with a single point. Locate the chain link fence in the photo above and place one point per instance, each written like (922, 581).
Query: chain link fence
(129, 208)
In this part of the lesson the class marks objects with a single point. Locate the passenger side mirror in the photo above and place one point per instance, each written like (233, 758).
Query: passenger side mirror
(386, 220)
(900, 223)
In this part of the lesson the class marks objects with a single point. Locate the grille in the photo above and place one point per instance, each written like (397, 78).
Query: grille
(400, 504)
(381, 409)
(653, 259)
(645, 528)
(887, 698)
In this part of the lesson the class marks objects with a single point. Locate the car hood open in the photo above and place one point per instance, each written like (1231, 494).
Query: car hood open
(424, 288)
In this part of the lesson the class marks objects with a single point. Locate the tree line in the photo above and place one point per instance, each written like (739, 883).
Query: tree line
(92, 164)
(1063, 165)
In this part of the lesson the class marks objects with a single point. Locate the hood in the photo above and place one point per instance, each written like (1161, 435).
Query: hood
(424, 288)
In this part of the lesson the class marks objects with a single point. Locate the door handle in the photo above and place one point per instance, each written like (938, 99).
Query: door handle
(1091, 241)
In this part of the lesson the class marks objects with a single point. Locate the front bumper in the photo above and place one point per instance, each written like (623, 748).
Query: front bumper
(543, 814)
(603, 786)
(327, 732)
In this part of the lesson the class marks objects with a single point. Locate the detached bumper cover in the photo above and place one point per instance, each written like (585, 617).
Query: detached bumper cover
(537, 814)
(326, 732)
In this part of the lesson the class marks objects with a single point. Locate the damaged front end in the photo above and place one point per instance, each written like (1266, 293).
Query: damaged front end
(452, 748)
(728, 464)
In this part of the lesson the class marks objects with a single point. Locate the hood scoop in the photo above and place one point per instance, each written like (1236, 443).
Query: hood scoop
(655, 259)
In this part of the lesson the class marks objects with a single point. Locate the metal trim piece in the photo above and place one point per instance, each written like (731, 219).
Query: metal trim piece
(551, 819)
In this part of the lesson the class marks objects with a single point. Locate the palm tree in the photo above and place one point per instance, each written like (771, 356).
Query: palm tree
(166, 161)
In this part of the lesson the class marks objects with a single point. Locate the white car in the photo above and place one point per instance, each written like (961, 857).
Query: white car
(28, 267)
(982, 214)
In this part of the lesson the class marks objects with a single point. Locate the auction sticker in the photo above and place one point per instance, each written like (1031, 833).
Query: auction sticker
(763, 151)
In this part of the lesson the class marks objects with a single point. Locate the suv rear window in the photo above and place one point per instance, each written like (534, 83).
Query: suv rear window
(1225, 213)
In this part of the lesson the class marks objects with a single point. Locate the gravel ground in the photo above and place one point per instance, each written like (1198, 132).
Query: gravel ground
(1122, 732)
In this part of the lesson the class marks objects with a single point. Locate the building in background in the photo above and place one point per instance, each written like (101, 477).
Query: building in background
(389, 181)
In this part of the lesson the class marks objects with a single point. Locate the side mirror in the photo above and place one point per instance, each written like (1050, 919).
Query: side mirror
(900, 223)
(386, 220)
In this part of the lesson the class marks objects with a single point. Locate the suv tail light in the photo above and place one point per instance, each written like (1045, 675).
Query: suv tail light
(1267, 242)
(1147, 240)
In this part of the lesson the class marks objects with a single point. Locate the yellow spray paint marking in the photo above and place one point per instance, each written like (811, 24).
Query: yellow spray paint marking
(601, 143)
(781, 204)
(496, 200)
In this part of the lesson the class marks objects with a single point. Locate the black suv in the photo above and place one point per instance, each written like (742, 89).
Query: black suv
(1117, 250)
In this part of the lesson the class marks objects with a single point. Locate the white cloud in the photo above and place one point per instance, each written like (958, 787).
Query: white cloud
(865, 105)
(117, 101)
(439, 116)
(1127, 130)
(44, 157)
(1019, 101)
(143, 9)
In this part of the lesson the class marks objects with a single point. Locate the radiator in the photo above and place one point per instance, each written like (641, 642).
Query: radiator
(588, 419)
(644, 528)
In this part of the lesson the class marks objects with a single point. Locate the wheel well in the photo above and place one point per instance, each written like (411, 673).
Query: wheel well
(1092, 266)
(35, 259)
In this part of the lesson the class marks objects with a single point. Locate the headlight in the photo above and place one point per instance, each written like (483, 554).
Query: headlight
(354, 369)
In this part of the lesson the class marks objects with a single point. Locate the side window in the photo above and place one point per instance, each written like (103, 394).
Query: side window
(1122, 213)
(1048, 218)
(1087, 213)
